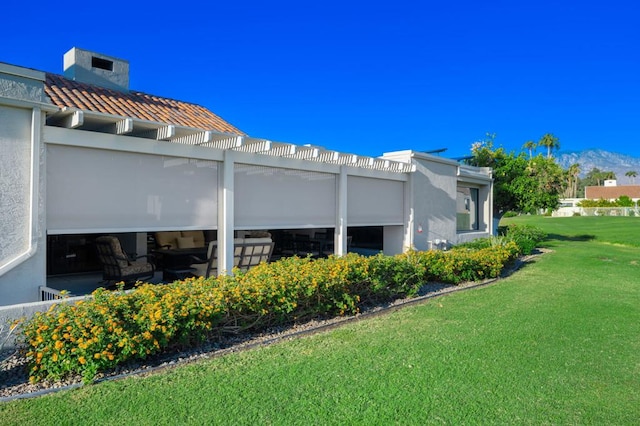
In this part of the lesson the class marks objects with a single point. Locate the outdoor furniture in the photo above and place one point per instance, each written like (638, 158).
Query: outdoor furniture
(180, 239)
(174, 261)
(254, 251)
(247, 253)
(117, 265)
(207, 266)
(303, 245)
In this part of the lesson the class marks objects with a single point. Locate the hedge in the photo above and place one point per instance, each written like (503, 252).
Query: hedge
(114, 327)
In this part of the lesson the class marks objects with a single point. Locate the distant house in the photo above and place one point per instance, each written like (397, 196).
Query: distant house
(612, 191)
(82, 155)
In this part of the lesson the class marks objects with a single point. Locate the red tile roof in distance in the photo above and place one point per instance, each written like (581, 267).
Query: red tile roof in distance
(612, 192)
(69, 93)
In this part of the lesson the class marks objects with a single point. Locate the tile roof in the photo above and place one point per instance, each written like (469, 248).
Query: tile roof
(69, 93)
(612, 192)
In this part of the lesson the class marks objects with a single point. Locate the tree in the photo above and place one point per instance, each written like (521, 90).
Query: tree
(572, 181)
(530, 146)
(596, 177)
(632, 174)
(550, 141)
(520, 184)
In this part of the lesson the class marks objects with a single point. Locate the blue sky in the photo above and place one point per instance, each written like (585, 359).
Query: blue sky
(368, 77)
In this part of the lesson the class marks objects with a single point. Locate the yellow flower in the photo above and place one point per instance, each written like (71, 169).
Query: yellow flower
(82, 360)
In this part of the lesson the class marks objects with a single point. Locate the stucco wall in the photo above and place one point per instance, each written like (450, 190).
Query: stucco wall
(22, 240)
(22, 246)
(21, 83)
(434, 202)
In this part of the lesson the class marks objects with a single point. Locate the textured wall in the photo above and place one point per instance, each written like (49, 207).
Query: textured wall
(15, 182)
(21, 83)
(22, 240)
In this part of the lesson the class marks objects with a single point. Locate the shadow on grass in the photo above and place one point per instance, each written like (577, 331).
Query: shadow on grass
(560, 237)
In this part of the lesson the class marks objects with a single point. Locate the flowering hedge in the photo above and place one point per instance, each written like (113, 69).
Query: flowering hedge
(112, 328)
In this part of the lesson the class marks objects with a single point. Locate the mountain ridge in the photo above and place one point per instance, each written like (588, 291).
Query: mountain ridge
(603, 160)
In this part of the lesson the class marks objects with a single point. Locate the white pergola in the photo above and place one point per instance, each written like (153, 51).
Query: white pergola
(132, 175)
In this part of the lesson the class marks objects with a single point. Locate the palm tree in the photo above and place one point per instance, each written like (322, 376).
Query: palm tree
(632, 174)
(573, 172)
(531, 146)
(550, 141)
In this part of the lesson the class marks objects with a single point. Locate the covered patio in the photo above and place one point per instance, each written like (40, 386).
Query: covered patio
(88, 160)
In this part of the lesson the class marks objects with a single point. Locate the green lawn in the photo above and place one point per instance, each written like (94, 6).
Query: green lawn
(558, 342)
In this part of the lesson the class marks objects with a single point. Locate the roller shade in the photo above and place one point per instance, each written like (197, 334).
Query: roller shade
(268, 197)
(93, 190)
(374, 201)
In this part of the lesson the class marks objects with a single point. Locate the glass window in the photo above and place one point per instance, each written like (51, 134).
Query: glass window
(467, 209)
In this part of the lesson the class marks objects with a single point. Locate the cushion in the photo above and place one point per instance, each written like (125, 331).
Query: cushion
(167, 238)
(259, 234)
(185, 242)
(198, 237)
(257, 240)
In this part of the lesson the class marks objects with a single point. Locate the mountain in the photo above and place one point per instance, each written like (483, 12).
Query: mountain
(604, 160)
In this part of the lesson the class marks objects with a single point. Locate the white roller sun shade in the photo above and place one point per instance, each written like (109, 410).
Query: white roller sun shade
(374, 201)
(93, 190)
(268, 197)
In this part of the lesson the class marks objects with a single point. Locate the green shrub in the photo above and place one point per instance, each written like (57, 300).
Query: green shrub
(527, 237)
(112, 328)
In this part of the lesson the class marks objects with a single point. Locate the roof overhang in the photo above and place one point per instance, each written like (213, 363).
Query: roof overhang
(73, 118)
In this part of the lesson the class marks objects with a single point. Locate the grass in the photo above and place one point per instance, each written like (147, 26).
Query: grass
(556, 343)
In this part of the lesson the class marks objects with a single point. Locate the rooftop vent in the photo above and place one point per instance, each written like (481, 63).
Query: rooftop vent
(97, 69)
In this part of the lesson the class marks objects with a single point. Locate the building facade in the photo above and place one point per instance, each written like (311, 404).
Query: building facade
(82, 155)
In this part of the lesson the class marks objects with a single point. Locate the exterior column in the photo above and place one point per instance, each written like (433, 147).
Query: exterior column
(225, 213)
(411, 229)
(340, 234)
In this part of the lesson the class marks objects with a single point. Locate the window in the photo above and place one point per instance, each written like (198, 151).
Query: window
(467, 209)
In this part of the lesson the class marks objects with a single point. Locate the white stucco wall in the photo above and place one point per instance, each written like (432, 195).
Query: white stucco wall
(432, 204)
(23, 244)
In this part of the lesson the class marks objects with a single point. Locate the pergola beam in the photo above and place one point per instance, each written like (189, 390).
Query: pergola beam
(163, 133)
(68, 119)
(198, 138)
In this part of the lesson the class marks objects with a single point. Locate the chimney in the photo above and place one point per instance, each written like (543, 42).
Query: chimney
(97, 69)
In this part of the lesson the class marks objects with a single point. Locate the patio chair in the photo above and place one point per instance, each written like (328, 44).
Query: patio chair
(209, 266)
(254, 252)
(118, 266)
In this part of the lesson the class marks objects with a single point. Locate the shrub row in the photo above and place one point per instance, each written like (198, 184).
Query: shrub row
(112, 328)
(526, 238)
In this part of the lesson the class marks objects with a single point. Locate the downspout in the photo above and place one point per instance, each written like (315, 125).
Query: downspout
(36, 122)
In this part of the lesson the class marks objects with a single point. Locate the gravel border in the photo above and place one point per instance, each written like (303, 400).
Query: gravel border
(14, 380)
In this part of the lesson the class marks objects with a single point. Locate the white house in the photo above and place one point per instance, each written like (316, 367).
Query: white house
(82, 155)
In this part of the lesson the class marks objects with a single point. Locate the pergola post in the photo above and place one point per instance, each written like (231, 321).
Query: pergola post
(340, 234)
(225, 213)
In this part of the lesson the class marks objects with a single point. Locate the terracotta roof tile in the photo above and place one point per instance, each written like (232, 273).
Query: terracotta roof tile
(69, 93)
(612, 192)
